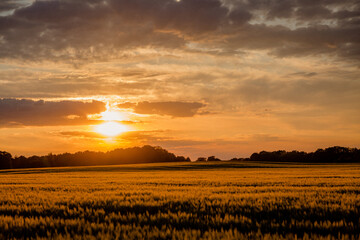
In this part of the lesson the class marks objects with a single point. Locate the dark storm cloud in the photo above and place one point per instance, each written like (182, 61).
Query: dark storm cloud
(16, 112)
(174, 109)
(93, 29)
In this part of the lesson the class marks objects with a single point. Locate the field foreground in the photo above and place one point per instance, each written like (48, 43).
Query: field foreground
(182, 201)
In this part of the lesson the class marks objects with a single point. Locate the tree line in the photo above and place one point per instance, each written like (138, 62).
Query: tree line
(150, 154)
(328, 155)
(145, 154)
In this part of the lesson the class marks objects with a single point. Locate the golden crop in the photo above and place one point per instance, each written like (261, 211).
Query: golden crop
(182, 201)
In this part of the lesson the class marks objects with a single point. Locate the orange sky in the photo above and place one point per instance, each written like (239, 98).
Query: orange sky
(197, 77)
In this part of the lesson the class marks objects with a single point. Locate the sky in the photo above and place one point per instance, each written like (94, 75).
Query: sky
(196, 77)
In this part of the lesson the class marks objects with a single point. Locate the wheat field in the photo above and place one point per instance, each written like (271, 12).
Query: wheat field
(182, 201)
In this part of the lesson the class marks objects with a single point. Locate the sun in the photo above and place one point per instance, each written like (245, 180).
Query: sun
(111, 128)
(110, 115)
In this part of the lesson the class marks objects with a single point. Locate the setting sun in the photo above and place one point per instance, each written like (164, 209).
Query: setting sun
(110, 128)
(110, 115)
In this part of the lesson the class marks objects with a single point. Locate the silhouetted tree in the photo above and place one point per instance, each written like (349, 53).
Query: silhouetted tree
(20, 162)
(182, 159)
(5, 160)
(201, 159)
(239, 159)
(213, 159)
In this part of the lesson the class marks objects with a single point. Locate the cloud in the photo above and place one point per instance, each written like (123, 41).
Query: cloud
(174, 109)
(23, 112)
(265, 138)
(331, 94)
(101, 30)
(302, 74)
(82, 134)
(9, 5)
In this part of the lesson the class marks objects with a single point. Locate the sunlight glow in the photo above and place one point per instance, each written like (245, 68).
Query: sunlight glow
(109, 115)
(111, 128)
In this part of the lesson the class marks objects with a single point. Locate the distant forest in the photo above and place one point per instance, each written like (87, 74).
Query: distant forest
(150, 154)
(328, 155)
(145, 154)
